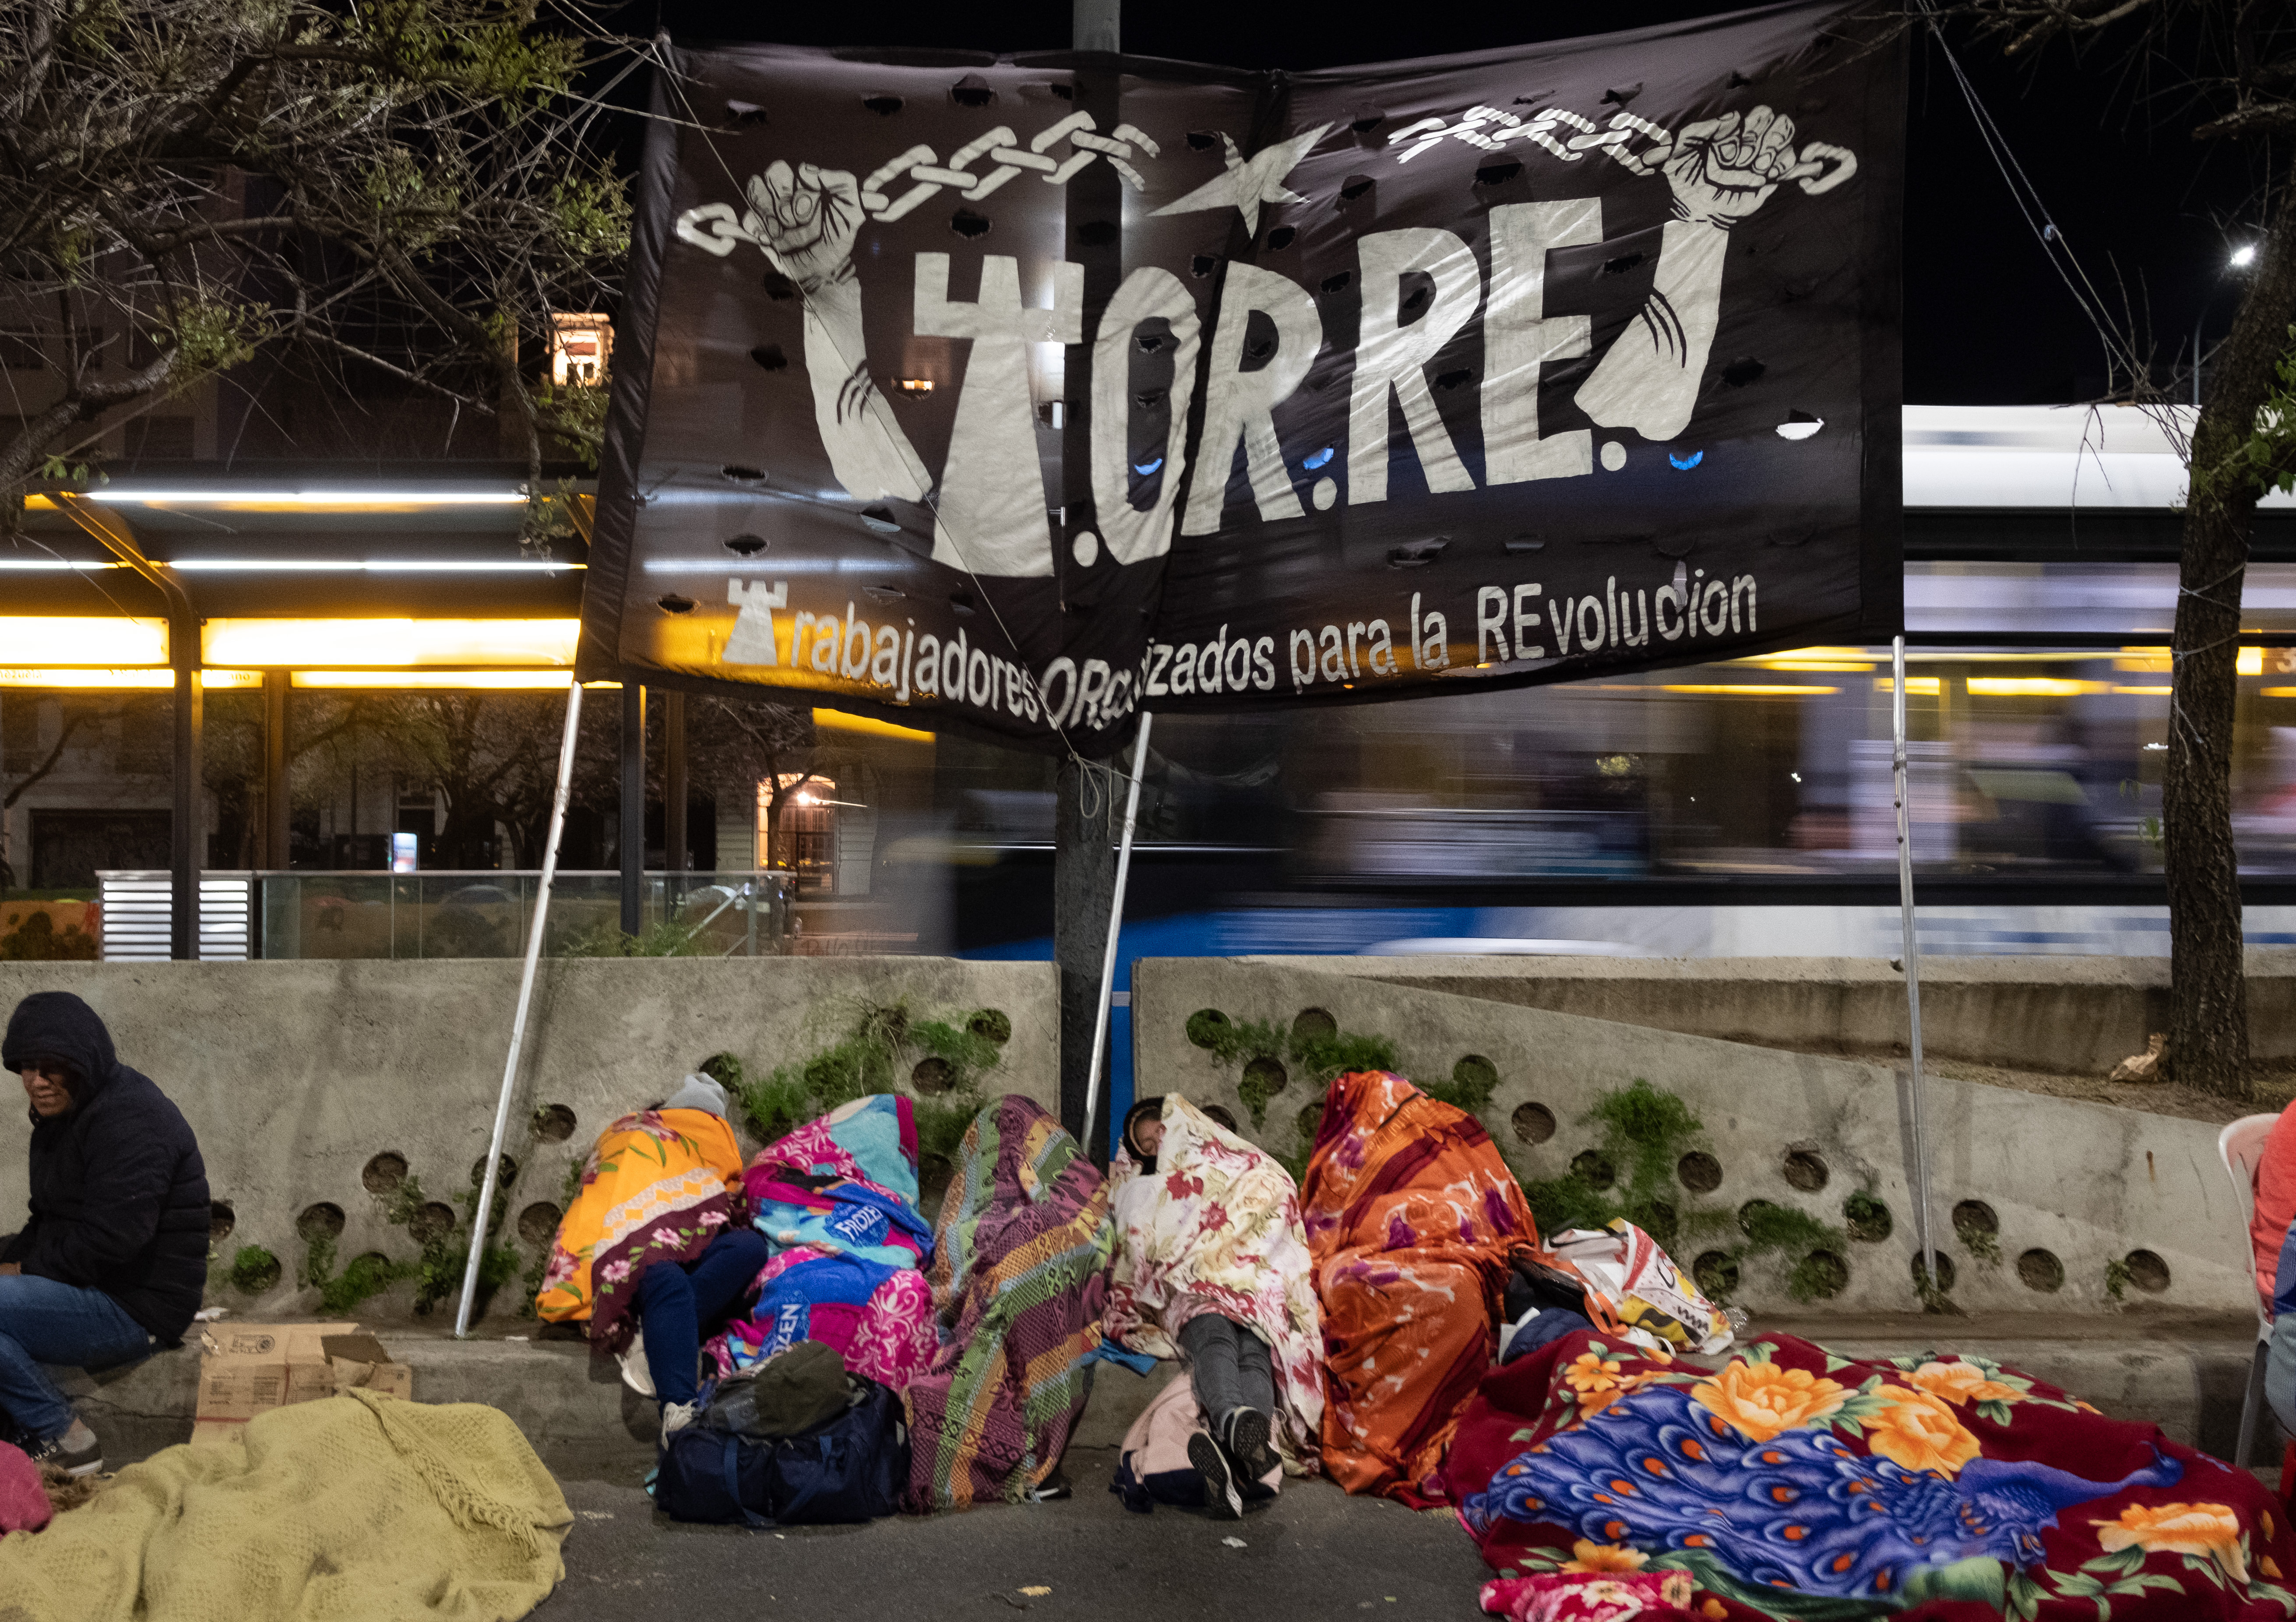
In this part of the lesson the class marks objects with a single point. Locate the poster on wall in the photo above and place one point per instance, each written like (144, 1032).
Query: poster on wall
(942, 397)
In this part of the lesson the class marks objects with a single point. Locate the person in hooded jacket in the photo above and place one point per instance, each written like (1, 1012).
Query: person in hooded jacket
(113, 1259)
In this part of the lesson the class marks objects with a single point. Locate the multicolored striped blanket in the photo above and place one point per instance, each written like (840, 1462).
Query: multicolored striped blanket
(1019, 1277)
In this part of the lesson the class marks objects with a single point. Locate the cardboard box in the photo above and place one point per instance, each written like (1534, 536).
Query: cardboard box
(247, 1369)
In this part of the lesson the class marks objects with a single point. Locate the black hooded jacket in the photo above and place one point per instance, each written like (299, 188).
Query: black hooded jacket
(119, 1195)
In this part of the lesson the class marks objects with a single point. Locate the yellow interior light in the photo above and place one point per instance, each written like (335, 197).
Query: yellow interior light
(438, 681)
(2031, 687)
(2252, 661)
(2155, 661)
(335, 643)
(1843, 666)
(2278, 692)
(53, 680)
(2142, 692)
(1916, 686)
(839, 721)
(1749, 689)
(108, 640)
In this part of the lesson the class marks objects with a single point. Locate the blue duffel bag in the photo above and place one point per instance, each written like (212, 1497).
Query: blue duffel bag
(851, 1468)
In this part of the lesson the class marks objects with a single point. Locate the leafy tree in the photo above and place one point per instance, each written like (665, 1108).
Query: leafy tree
(402, 190)
(2221, 71)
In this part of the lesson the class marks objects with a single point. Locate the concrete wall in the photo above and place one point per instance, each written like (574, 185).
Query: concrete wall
(2076, 1015)
(2087, 1183)
(297, 1075)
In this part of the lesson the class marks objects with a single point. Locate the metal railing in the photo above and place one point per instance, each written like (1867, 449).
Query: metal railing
(475, 913)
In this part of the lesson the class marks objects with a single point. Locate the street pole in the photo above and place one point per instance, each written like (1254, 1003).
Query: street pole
(187, 845)
(674, 790)
(633, 808)
(1923, 1235)
(1084, 863)
(277, 819)
(1115, 926)
(484, 1207)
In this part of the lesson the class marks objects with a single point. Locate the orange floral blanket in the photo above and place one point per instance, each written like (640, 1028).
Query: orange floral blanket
(1411, 1218)
(1790, 1483)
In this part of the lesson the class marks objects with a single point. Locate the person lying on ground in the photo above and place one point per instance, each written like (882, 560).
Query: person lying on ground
(1212, 1266)
(113, 1259)
(657, 1235)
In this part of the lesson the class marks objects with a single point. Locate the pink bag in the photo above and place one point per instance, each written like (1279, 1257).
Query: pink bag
(1593, 1596)
(24, 1504)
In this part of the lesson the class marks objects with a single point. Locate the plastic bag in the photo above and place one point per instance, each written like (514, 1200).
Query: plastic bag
(1631, 1279)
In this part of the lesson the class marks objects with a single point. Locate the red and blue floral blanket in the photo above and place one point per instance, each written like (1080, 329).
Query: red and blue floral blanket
(1792, 1483)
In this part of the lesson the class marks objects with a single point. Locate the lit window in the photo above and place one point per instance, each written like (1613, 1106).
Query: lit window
(580, 346)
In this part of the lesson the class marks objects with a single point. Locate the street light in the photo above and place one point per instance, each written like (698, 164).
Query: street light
(2243, 257)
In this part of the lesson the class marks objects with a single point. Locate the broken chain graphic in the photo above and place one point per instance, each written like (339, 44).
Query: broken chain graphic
(718, 226)
(1821, 167)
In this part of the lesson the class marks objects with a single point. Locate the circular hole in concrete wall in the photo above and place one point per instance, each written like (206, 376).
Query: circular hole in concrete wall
(384, 1173)
(324, 1220)
(1477, 1073)
(255, 1270)
(435, 1220)
(1821, 1275)
(993, 1023)
(1265, 1076)
(931, 1074)
(1804, 1170)
(1309, 1120)
(2148, 1271)
(1659, 1219)
(1314, 1023)
(220, 1221)
(1867, 1219)
(554, 1123)
(1945, 1274)
(505, 1172)
(1224, 1116)
(1974, 1222)
(1594, 1168)
(2041, 1270)
(1715, 1273)
(1205, 1024)
(538, 1224)
(1701, 1173)
(1534, 1122)
(367, 1268)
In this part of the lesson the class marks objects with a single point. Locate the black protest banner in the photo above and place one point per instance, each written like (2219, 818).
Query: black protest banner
(1400, 380)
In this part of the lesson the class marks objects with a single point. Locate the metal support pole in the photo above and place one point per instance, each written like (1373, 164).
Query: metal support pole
(1115, 924)
(1094, 24)
(1922, 1229)
(188, 841)
(525, 999)
(633, 810)
(673, 779)
(277, 830)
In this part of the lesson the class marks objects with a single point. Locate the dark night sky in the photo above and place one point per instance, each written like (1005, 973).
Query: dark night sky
(1988, 321)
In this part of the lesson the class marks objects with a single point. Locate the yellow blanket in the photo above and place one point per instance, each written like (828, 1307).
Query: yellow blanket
(352, 1509)
(659, 1187)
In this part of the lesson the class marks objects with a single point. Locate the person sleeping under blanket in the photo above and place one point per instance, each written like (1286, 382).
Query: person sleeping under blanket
(1212, 1266)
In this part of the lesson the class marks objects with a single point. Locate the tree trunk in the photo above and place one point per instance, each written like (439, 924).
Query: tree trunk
(2208, 1036)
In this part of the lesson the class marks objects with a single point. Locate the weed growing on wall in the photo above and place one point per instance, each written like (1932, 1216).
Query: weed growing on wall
(254, 1270)
(872, 1047)
(1261, 1046)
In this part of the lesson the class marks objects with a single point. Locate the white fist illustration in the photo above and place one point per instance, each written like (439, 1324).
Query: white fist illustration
(806, 219)
(1722, 169)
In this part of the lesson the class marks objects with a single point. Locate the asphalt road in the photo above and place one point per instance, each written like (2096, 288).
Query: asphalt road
(1314, 1553)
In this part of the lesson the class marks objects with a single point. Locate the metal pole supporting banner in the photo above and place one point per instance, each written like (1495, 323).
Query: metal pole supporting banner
(1115, 923)
(525, 999)
(1913, 964)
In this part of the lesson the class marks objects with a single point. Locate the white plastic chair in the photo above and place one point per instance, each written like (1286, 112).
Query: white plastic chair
(2241, 1147)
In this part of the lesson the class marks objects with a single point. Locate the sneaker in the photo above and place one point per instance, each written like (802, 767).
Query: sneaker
(76, 1453)
(1220, 1495)
(676, 1416)
(1248, 1442)
(635, 1373)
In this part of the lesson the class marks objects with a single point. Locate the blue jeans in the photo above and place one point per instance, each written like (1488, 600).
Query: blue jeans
(679, 1301)
(42, 1322)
